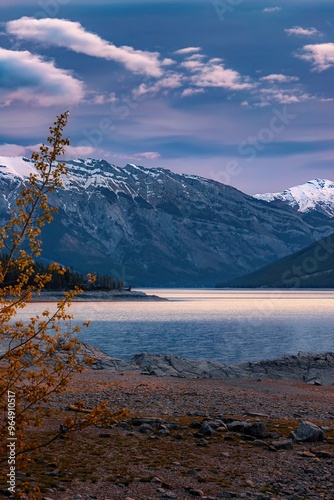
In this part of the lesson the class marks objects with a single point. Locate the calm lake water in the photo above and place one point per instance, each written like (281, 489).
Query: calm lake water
(226, 326)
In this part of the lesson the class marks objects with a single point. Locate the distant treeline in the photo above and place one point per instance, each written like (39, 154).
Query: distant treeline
(66, 281)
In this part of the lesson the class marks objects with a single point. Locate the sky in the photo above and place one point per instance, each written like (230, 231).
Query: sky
(240, 91)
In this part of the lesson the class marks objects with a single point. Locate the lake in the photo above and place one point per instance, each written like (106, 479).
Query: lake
(226, 326)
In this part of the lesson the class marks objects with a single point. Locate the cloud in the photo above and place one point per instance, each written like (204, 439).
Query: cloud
(171, 80)
(17, 150)
(192, 73)
(149, 155)
(104, 99)
(271, 9)
(191, 91)
(321, 56)
(29, 78)
(299, 31)
(187, 50)
(71, 35)
(292, 96)
(79, 151)
(214, 74)
(26, 151)
(279, 78)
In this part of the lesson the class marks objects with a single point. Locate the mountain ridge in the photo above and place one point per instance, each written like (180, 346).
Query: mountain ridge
(159, 228)
(311, 267)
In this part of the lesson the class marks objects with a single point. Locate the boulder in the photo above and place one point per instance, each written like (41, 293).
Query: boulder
(308, 432)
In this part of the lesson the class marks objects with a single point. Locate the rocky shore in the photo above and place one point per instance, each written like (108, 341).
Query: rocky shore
(193, 429)
(312, 368)
(191, 438)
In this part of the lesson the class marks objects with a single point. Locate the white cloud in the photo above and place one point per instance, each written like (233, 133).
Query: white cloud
(79, 151)
(170, 81)
(279, 78)
(272, 9)
(104, 99)
(17, 150)
(26, 151)
(187, 50)
(293, 96)
(321, 56)
(71, 35)
(214, 74)
(190, 91)
(299, 31)
(29, 78)
(149, 155)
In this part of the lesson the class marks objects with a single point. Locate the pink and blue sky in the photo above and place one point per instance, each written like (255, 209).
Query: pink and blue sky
(240, 91)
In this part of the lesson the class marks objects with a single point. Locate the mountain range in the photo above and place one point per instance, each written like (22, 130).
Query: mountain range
(154, 227)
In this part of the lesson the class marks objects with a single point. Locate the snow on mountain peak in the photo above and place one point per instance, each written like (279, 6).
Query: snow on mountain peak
(315, 195)
(16, 166)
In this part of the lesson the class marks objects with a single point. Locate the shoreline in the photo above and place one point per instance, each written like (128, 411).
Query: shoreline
(98, 296)
(311, 368)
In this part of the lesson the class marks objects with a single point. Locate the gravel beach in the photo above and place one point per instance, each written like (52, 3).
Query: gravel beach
(188, 438)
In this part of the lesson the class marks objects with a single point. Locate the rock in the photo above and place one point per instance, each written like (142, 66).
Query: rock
(306, 454)
(215, 424)
(308, 432)
(169, 494)
(260, 442)
(304, 367)
(202, 442)
(194, 492)
(145, 429)
(206, 430)
(227, 494)
(321, 453)
(314, 382)
(195, 425)
(257, 430)
(255, 414)
(282, 444)
(163, 432)
(237, 426)
(55, 472)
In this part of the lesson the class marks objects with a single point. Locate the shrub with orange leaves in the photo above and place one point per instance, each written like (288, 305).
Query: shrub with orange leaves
(37, 358)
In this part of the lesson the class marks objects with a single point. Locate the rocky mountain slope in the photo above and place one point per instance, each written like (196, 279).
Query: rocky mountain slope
(158, 228)
(311, 267)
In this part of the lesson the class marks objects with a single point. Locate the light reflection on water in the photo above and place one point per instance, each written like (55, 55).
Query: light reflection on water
(227, 326)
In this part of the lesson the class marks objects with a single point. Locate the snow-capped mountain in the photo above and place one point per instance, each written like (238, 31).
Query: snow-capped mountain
(158, 228)
(316, 195)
